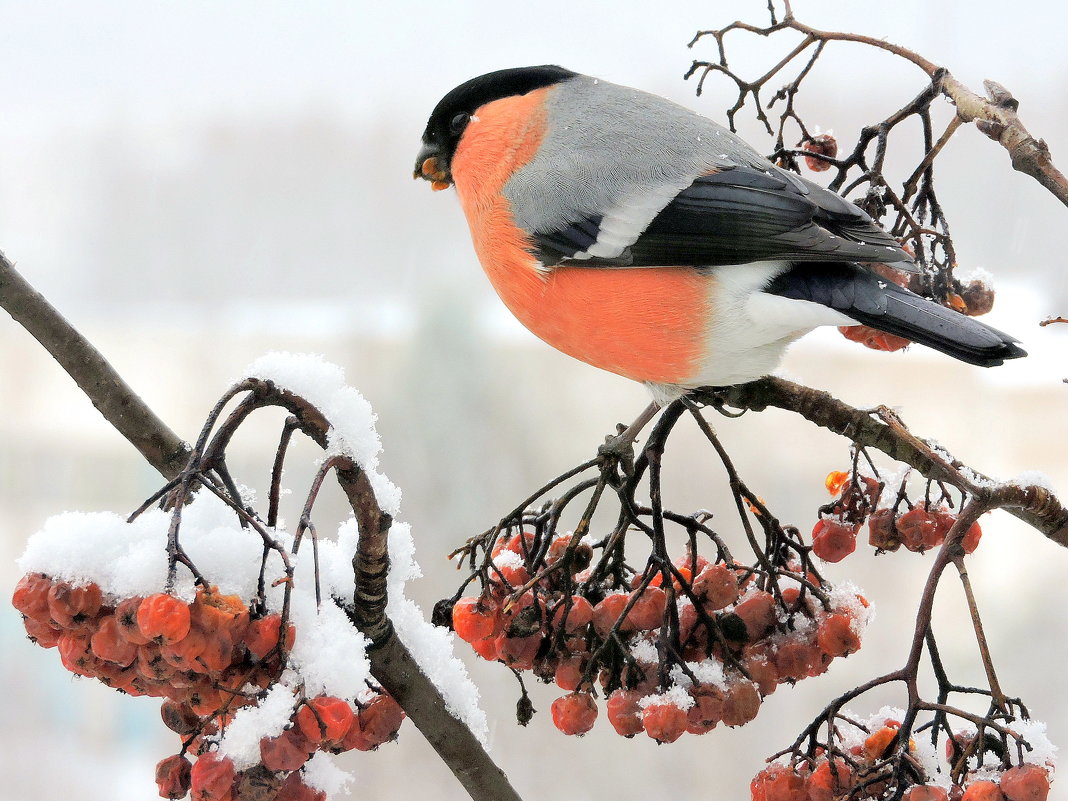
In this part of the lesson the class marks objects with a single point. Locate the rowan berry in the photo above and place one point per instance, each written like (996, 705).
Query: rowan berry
(163, 618)
(758, 613)
(475, 618)
(262, 634)
(624, 713)
(72, 607)
(832, 779)
(778, 783)
(574, 615)
(741, 704)
(109, 644)
(835, 636)
(293, 788)
(707, 710)
(877, 743)
(982, 791)
(648, 610)
(607, 612)
(41, 631)
(926, 792)
(881, 532)
(920, 529)
(31, 596)
(1025, 783)
(173, 776)
(288, 751)
(324, 718)
(574, 713)
(821, 145)
(716, 586)
(664, 721)
(212, 777)
(381, 719)
(833, 540)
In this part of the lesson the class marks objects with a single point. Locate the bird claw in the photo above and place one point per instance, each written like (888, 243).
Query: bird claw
(617, 452)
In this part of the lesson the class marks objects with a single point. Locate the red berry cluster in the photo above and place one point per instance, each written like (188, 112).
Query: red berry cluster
(920, 527)
(203, 658)
(735, 635)
(861, 771)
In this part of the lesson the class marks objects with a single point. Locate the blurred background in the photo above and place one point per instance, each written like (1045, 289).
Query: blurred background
(196, 184)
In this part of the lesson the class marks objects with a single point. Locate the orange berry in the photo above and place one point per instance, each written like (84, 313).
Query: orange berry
(568, 673)
(607, 612)
(355, 739)
(920, 529)
(173, 776)
(574, 713)
(778, 783)
(758, 612)
(970, 541)
(796, 660)
(109, 644)
(741, 704)
(72, 607)
(707, 711)
(75, 653)
(575, 616)
(877, 743)
(126, 617)
(1025, 783)
(665, 722)
(716, 586)
(324, 718)
(163, 618)
(212, 777)
(475, 619)
(487, 649)
(381, 719)
(832, 779)
(31, 596)
(762, 671)
(926, 792)
(217, 653)
(833, 540)
(648, 610)
(518, 652)
(41, 631)
(982, 791)
(835, 636)
(624, 713)
(288, 751)
(835, 481)
(261, 636)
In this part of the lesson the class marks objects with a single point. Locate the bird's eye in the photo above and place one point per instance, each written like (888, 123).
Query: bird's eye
(459, 122)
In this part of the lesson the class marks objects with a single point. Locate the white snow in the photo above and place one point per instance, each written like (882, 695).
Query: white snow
(322, 773)
(329, 654)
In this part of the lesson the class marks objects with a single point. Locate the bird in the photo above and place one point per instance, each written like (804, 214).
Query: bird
(647, 240)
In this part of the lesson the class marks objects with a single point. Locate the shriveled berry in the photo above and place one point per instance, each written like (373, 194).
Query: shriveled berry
(109, 644)
(881, 531)
(821, 145)
(778, 783)
(573, 615)
(716, 586)
(833, 540)
(831, 780)
(381, 719)
(179, 717)
(212, 777)
(607, 612)
(707, 710)
(262, 634)
(970, 541)
(1025, 783)
(879, 741)
(41, 631)
(31, 596)
(293, 788)
(574, 713)
(173, 776)
(926, 792)
(796, 660)
(624, 713)
(288, 751)
(835, 636)
(163, 618)
(741, 704)
(920, 529)
(664, 721)
(71, 607)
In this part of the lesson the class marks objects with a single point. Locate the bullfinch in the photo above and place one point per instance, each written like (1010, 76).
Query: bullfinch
(644, 239)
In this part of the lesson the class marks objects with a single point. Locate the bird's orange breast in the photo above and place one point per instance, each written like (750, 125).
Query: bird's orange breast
(648, 324)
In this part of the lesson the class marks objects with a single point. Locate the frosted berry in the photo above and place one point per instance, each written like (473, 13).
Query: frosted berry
(574, 713)
(31, 595)
(920, 529)
(1025, 783)
(624, 713)
(832, 540)
(474, 619)
(324, 718)
(982, 791)
(212, 777)
(664, 721)
(778, 783)
(716, 586)
(831, 780)
(835, 636)
(926, 792)
(288, 751)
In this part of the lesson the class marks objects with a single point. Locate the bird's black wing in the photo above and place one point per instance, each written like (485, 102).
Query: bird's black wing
(736, 216)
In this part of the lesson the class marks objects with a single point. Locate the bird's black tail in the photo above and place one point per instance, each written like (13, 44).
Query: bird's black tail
(877, 302)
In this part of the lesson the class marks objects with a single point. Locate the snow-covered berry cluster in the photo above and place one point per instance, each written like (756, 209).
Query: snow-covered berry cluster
(207, 659)
(869, 760)
(675, 655)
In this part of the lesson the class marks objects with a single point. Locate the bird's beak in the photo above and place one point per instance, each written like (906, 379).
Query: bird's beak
(430, 165)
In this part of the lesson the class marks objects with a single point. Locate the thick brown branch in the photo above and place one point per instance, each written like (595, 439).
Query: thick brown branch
(1034, 505)
(112, 396)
